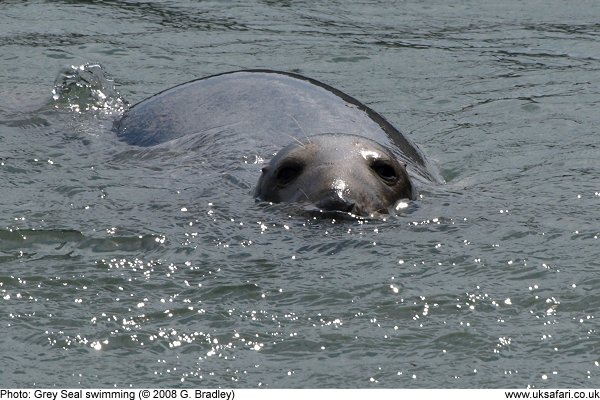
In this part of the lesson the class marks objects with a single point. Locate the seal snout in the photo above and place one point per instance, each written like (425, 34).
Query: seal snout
(332, 201)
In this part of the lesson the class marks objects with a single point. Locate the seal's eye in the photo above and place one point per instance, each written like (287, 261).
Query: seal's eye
(288, 172)
(385, 170)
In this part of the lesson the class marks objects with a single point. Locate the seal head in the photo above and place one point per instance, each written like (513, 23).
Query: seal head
(336, 172)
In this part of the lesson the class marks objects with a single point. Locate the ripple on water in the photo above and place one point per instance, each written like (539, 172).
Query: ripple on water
(161, 258)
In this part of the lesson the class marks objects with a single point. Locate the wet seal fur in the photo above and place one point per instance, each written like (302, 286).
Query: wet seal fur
(336, 172)
(333, 152)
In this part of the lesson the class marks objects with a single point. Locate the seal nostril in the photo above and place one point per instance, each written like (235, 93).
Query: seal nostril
(334, 203)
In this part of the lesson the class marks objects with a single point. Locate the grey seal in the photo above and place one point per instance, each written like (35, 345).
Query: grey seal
(332, 151)
(336, 172)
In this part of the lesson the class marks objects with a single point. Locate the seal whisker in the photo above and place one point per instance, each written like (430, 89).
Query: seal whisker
(332, 138)
(304, 193)
(301, 129)
(295, 139)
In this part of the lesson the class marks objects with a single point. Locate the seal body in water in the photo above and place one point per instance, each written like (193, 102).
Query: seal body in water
(332, 151)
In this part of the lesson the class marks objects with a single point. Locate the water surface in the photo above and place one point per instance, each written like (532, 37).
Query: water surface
(123, 266)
